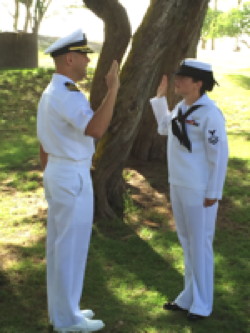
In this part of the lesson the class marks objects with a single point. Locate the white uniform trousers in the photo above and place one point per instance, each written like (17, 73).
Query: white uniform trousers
(68, 190)
(195, 226)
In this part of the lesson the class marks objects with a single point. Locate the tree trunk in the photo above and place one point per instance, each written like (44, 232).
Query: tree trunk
(212, 44)
(16, 15)
(213, 39)
(41, 6)
(203, 43)
(148, 145)
(236, 47)
(164, 38)
(28, 19)
(117, 37)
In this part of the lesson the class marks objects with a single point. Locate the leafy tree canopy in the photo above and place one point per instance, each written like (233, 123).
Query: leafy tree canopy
(232, 23)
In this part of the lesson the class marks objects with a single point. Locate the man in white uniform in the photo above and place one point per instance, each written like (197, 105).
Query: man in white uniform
(197, 162)
(66, 128)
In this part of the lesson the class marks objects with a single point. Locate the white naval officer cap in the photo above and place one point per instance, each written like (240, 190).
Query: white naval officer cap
(74, 42)
(198, 70)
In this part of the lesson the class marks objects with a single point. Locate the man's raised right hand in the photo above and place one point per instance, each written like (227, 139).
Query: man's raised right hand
(112, 77)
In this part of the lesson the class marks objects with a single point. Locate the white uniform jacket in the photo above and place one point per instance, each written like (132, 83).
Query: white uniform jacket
(62, 118)
(205, 167)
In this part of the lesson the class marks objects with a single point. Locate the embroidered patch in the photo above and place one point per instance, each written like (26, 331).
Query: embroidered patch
(213, 139)
(192, 122)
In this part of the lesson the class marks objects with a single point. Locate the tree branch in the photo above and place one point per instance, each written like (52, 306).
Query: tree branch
(117, 36)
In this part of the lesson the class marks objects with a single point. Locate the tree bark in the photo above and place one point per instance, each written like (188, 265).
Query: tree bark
(148, 145)
(41, 6)
(117, 37)
(213, 39)
(16, 16)
(164, 38)
(28, 18)
(203, 43)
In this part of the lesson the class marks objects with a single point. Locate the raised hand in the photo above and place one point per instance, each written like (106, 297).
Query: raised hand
(163, 86)
(112, 77)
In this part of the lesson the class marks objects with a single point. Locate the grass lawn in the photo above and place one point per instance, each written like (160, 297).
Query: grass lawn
(135, 264)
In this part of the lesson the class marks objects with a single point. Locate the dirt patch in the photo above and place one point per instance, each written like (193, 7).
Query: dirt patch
(148, 185)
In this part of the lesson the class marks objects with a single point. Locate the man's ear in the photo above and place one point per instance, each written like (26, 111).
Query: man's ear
(69, 58)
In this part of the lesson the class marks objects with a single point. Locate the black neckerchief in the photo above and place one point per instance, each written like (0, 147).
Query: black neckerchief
(181, 134)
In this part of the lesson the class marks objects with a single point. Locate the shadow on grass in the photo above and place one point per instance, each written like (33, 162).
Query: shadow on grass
(18, 152)
(127, 280)
(235, 208)
(113, 263)
(129, 273)
(125, 272)
(231, 245)
(240, 80)
(244, 134)
(137, 268)
(22, 292)
(126, 283)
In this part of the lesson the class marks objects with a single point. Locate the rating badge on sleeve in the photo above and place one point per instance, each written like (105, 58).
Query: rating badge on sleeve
(213, 139)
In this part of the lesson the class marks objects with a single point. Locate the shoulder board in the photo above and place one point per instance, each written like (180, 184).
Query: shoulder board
(71, 86)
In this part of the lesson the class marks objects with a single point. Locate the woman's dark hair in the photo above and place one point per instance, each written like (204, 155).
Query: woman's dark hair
(207, 85)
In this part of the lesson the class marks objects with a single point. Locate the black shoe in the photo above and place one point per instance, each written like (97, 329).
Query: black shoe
(172, 307)
(194, 317)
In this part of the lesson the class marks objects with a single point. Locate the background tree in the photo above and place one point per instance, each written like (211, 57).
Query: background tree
(168, 33)
(117, 36)
(16, 15)
(215, 10)
(74, 4)
(211, 27)
(22, 49)
(28, 18)
(237, 22)
(245, 23)
(35, 11)
(233, 23)
(40, 9)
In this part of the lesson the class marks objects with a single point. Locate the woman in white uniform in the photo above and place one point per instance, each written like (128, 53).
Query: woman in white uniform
(197, 161)
(66, 128)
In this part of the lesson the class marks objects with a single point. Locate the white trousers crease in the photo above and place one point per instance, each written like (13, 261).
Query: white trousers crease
(195, 226)
(69, 193)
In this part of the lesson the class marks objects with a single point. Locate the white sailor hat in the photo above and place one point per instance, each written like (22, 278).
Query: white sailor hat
(198, 70)
(74, 42)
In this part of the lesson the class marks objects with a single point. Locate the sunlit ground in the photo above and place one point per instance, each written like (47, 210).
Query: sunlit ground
(226, 60)
(133, 266)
